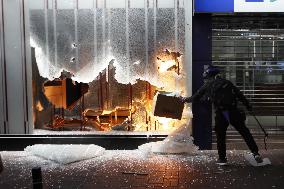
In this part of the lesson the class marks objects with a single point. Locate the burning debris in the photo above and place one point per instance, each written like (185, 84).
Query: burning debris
(173, 62)
(107, 104)
(118, 63)
(104, 120)
(65, 93)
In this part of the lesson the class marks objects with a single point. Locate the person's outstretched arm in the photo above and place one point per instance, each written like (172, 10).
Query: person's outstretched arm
(196, 96)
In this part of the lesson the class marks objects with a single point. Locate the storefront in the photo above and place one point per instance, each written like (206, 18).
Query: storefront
(245, 39)
(88, 66)
(95, 67)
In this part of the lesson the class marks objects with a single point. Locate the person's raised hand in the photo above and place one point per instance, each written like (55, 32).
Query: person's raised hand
(184, 99)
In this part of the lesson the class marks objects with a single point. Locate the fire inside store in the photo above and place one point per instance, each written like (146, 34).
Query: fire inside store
(102, 69)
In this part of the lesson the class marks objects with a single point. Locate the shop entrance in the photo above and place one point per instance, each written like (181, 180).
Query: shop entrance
(250, 51)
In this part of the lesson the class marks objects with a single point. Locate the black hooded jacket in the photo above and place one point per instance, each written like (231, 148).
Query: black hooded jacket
(221, 92)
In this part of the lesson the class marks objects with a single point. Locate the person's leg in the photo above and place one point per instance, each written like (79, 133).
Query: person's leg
(238, 122)
(221, 125)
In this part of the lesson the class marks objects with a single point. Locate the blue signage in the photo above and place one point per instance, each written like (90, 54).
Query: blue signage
(254, 0)
(207, 6)
(259, 0)
(231, 6)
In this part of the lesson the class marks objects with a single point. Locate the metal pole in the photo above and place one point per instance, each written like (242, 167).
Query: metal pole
(1, 164)
(37, 178)
(265, 133)
(101, 92)
(55, 31)
(76, 6)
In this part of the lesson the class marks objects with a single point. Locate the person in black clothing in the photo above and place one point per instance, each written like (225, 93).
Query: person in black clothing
(225, 96)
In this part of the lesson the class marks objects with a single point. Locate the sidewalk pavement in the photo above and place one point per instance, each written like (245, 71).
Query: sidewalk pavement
(135, 170)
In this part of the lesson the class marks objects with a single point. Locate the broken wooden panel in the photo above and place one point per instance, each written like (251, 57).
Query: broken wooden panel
(64, 93)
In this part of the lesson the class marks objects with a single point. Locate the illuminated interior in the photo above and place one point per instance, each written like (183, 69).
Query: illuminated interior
(101, 68)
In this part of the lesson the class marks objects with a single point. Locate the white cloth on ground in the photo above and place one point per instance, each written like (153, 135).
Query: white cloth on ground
(65, 154)
(178, 142)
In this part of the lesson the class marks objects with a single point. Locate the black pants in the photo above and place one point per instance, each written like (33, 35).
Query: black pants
(237, 120)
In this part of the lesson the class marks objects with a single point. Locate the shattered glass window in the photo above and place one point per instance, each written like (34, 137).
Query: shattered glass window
(118, 49)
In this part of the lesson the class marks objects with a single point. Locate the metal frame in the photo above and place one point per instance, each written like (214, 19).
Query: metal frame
(188, 30)
(3, 85)
(188, 44)
(27, 67)
(15, 70)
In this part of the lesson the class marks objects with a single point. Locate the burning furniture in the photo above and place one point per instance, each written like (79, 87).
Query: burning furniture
(110, 105)
(64, 94)
(105, 120)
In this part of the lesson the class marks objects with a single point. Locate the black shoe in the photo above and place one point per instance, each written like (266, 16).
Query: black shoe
(222, 162)
(257, 158)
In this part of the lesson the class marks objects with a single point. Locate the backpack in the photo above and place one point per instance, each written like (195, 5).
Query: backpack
(223, 94)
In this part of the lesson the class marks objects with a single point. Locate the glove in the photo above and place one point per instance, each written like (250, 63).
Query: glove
(185, 99)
